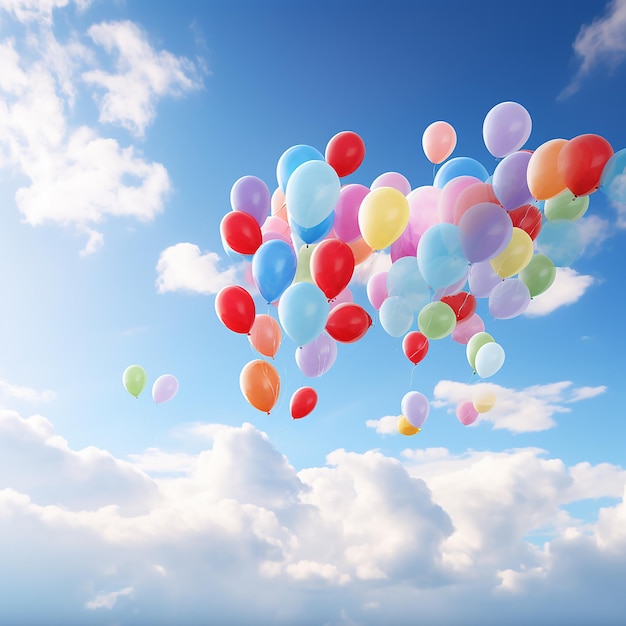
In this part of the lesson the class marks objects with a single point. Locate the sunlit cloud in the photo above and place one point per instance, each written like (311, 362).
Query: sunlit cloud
(387, 425)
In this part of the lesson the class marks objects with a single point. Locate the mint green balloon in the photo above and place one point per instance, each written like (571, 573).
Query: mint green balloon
(436, 320)
(303, 267)
(539, 274)
(134, 379)
(565, 206)
(475, 343)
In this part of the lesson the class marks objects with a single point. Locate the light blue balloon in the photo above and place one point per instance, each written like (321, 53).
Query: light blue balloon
(303, 312)
(291, 159)
(312, 193)
(315, 233)
(405, 279)
(459, 166)
(613, 179)
(396, 316)
(562, 241)
(489, 359)
(273, 268)
(440, 257)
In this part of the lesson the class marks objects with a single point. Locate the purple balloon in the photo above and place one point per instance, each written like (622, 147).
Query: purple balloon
(484, 231)
(377, 289)
(509, 299)
(510, 181)
(251, 195)
(165, 387)
(482, 278)
(506, 128)
(346, 222)
(415, 407)
(316, 357)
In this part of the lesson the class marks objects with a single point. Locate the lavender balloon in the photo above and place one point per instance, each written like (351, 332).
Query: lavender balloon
(315, 358)
(251, 195)
(506, 128)
(165, 387)
(482, 278)
(509, 299)
(510, 181)
(484, 231)
(415, 407)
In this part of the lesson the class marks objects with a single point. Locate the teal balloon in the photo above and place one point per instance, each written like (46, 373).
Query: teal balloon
(613, 179)
(396, 316)
(314, 233)
(292, 158)
(562, 241)
(303, 312)
(312, 193)
(440, 257)
(460, 166)
(405, 279)
(273, 268)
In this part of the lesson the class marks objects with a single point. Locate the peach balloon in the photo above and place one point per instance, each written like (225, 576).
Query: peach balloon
(438, 141)
(260, 384)
(265, 335)
(542, 174)
(361, 250)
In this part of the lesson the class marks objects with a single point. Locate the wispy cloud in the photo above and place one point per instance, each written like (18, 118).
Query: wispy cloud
(603, 42)
(10, 391)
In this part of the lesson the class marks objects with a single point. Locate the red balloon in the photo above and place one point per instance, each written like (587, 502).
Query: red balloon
(581, 161)
(235, 308)
(348, 322)
(302, 402)
(345, 152)
(415, 346)
(241, 232)
(332, 265)
(528, 218)
(463, 304)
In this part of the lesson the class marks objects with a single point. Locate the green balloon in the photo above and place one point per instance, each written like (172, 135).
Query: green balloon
(475, 343)
(134, 379)
(436, 320)
(539, 274)
(303, 268)
(565, 206)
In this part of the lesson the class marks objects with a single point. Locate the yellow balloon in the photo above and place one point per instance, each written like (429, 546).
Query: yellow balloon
(516, 256)
(484, 400)
(383, 216)
(303, 268)
(406, 428)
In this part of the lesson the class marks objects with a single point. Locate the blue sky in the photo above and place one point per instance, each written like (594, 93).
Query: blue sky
(123, 127)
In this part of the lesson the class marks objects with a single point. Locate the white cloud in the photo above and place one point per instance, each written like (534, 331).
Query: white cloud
(38, 10)
(19, 392)
(528, 410)
(603, 42)
(386, 425)
(142, 76)
(568, 287)
(108, 600)
(182, 267)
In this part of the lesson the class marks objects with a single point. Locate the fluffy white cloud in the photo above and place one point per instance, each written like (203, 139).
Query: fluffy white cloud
(239, 536)
(386, 425)
(568, 287)
(9, 391)
(182, 267)
(38, 10)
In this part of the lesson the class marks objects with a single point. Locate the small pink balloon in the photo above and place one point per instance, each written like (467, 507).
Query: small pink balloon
(438, 141)
(346, 222)
(392, 179)
(449, 195)
(466, 413)
(377, 289)
(423, 202)
(276, 228)
(467, 328)
(165, 387)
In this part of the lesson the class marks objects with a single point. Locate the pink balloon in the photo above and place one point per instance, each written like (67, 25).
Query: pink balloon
(449, 195)
(467, 328)
(276, 228)
(392, 179)
(346, 223)
(377, 289)
(438, 141)
(343, 296)
(404, 245)
(423, 203)
(466, 413)
(165, 387)
(471, 195)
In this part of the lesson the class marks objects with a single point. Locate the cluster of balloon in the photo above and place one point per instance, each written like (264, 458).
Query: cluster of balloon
(164, 388)
(471, 235)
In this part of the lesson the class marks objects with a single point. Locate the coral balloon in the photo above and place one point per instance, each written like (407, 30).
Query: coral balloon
(345, 152)
(543, 176)
(265, 335)
(235, 308)
(303, 401)
(260, 384)
(241, 232)
(581, 162)
(438, 141)
(348, 322)
(415, 346)
(332, 265)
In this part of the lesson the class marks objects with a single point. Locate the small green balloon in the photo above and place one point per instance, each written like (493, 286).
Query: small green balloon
(475, 343)
(565, 206)
(303, 268)
(539, 274)
(436, 320)
(134, 379)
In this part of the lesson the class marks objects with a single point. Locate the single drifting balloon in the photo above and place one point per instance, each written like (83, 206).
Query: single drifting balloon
(134, 379)
(165, 387)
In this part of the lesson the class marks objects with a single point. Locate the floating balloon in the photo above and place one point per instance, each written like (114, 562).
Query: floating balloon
(489, 359)
(423, 208)
(274, 268)
(467, 328)
(303, 264)
(415, 346)
(345, 152)
(436, 320)
(613, 179)
(314, 233)
(543, 176)
(509, 299)
(303, 311)
(477, 193)
(396, 316)
(516, 256)
(460, 166)
(332, 266)
(482, 279)
(510, 182)
(394, 180)
(260, 384)
(527, 217)
(346, 224)
(484, 399)
(316, 357)
(581, 162)
(506, 128)
(405, 428)
(383, 215)
(463, 304)
(377, 289)
(475, 343)
(235, 308)
(265, 335)
(251, 195)
(348, 322)
(440, 256)
(450, 194)
(302, 402)
(241, 232)
(134, 379)
(466, 413)
(538, 275)
(415, 407)
(485, 230)
(565, 206)
(438, 141)
(291, 159)
(165, 387)
(404, 279)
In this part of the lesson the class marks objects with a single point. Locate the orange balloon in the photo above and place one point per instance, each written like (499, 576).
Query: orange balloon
(542, 175)
(265, 335)
(361, 250)
(438, 141)
(260, 384)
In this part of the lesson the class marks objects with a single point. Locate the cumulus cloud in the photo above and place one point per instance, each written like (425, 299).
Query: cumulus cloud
(183, 267)
(528, 410)
(601, 43)
(568, 287)
(387, 425)
(11, 391)
(38, 10)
